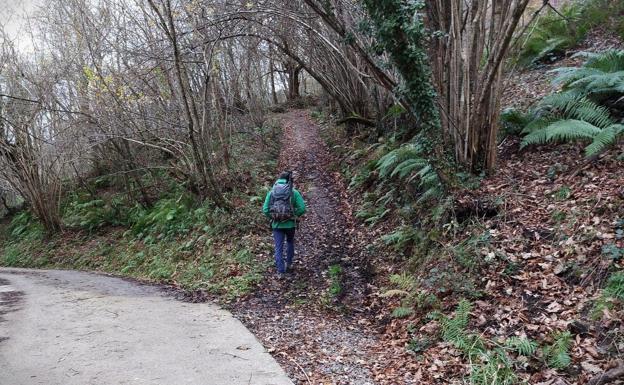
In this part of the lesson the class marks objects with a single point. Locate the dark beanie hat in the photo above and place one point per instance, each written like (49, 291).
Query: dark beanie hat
(285, 175)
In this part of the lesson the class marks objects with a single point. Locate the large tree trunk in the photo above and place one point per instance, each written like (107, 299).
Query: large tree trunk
(293, 72)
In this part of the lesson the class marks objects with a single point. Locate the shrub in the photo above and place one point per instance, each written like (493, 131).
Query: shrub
(513, 121)
(615, 286)
(168, 218)
(24, 226)
(88, 213)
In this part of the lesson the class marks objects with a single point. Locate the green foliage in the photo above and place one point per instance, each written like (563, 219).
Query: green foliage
(601, 75)
(615, 286)
(11, 256)
(568, 117)
(24, 226)
(568, 105)
(551, 35)
(88, 213)
(557, 354)
(402, 312)
(404, 281)
(613, 252)
(488, 366)
(523, 346)
(513, 121)
(335, 276)
(374, 210)
(562, 131)
(576, 113)
(563, 193)
(402, 238)
(492, 368)
(168, 218)
(418, 345)
(400, 31)
(408, 163)
(612, 295)
(453, 328)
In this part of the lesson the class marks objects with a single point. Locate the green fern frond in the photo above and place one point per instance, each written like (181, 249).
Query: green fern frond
(562, 131)
(567, 75)
(522, 346)
(402, 312)
(430, 193)
(454, 328)
(572, 105)
(601, 83)
(408, 166)
(388, 162)
(557, 355)
(607, 137)
(606, 61)
(403, 281)
(603, 72)
(401, 237)
(538, 123)
(493, 368)
(615, 286)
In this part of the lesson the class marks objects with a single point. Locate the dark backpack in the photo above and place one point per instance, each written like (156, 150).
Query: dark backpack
(280, 203)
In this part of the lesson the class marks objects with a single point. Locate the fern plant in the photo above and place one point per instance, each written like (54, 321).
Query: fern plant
(454, 329)
(601, 75)
(408, 163)
(557, 354)
(522, 346)
(494, 368)
(615, 286)
(402, 312)
(401, 238)
(577, 113)
(570, 116)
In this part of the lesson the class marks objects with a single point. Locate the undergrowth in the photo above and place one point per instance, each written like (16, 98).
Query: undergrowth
(178, 240)
(587, 109)
(555, 31)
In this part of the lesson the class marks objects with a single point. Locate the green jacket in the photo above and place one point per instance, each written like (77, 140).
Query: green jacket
(298, 206)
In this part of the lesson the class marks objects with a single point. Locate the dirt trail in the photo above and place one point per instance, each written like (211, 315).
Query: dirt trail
(306, 328)
(69, 327)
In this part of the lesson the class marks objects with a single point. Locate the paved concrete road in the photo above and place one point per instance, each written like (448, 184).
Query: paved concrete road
(67, 327)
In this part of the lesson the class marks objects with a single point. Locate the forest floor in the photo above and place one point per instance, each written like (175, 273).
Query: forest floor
(550, 235)
(318, 322)
(326, 323)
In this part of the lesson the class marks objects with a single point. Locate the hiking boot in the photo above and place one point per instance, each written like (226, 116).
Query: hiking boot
(289, 267)
(280, 276)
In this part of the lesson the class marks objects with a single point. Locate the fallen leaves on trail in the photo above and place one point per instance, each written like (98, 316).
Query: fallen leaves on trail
(544, 258)
(318, 337)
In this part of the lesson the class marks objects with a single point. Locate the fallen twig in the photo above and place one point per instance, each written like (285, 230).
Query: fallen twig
(299, 366)
(608, 376)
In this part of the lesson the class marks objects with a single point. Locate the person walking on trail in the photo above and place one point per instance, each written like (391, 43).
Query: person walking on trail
(284, 205)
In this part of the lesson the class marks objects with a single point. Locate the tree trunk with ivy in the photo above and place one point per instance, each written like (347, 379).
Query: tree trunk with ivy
(471, 40)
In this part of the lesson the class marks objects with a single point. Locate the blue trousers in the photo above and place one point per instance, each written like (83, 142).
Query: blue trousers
(279, 235)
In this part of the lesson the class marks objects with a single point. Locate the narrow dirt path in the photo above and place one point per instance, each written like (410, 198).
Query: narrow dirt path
(69, 327)
(320, 336)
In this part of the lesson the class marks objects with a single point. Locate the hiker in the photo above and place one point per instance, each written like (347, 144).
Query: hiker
(284, 205)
